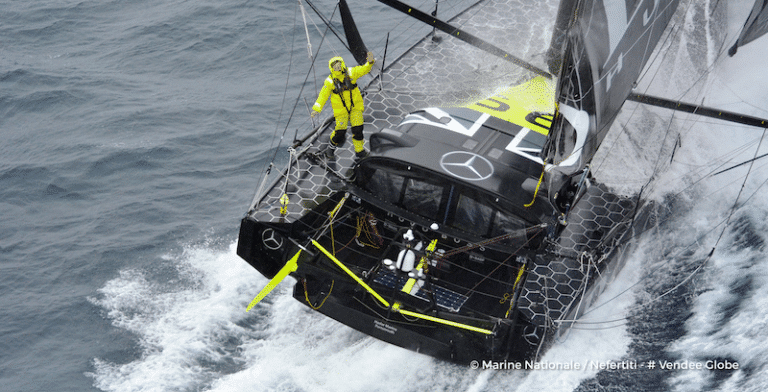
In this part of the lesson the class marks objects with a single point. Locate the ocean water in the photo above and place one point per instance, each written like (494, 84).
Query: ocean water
(134, 135)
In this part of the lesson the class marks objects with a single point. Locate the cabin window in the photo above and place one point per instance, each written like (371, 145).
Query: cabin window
(463, 208)
(422, 198)
(505, 224)
(386, 185)
(412, 193)
(472, 216)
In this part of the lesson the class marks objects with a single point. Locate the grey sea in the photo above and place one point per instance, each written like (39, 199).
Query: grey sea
(133, 136)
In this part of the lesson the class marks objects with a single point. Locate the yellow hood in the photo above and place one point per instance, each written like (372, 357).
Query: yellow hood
(337, 75)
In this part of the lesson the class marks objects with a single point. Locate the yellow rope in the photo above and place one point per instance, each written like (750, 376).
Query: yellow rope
(306, 296)
(350, 273)
(536, 192)
(442, 321)
(332, 216)
(396, 306)
(364, 227)
(517, 280)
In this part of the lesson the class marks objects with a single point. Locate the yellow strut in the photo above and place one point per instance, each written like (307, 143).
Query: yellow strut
(289, 267)
(396, 308)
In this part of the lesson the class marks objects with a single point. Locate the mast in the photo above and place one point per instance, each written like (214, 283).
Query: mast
(565, 16)
(354, 40)
(606, 47)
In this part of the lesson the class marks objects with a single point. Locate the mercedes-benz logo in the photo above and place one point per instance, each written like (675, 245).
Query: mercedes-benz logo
(466, 165)
(271, 239)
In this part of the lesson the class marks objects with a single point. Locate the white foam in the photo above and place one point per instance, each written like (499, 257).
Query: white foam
(179, 326)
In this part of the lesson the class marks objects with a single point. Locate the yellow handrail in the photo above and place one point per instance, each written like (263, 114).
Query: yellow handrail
(446, 322)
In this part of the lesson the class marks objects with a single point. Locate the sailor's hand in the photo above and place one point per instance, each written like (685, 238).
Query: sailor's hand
(314, 113)
(370, 58)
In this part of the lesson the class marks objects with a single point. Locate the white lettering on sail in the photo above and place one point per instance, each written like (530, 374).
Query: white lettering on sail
(647, 16)
(613, 72)
(616, 14)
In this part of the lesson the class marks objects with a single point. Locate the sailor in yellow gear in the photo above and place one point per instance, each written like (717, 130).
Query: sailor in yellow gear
(346, 101)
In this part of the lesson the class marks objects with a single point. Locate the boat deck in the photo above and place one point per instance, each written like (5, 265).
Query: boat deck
(436, 72)
(449, 72)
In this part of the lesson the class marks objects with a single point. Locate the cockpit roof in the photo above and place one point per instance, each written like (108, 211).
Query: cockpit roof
(469, 148)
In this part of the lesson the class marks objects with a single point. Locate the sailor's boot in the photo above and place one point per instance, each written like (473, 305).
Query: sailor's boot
(360, 151)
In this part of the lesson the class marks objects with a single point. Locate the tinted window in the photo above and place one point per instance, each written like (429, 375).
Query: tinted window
(422, 198)
(505, 224)
(466, 209)
(472, 216)
(386, 185)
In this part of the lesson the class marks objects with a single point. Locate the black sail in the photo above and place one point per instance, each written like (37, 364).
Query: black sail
(608, 44)
(354, 40)
(755, 27)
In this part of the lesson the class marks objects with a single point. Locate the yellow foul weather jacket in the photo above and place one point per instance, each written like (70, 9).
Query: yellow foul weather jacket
(341, 87)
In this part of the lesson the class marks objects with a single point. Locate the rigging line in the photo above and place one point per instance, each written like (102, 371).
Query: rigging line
(693, 243)
(463, 35)
(312, 65)
(673, 34)
(285, 94)
(498, 266)
(756, 190)
(710, 67)
(328, 23)
(724, 159)
(725, 223)
(743, 184)
(740, 164)
(742, 100)
(309, 71)
(679, 284)
(704, 178)
(640, 233)
(696, 241)
(341, 222)
(301, 90)
(306, 28)
(675, 195)
(323, 34)
(582, 289)
(406, 30)
(268, 164)
(576, 327)
(428, 48)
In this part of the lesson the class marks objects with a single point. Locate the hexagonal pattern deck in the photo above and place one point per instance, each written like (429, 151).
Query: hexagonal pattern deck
(449, 72)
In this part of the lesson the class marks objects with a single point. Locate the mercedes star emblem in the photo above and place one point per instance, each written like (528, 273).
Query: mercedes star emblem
(466, 165)
(271, 239)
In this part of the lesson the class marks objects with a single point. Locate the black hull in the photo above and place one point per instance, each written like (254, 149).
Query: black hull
(491, 294)
(350, 307)
(553, 290)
